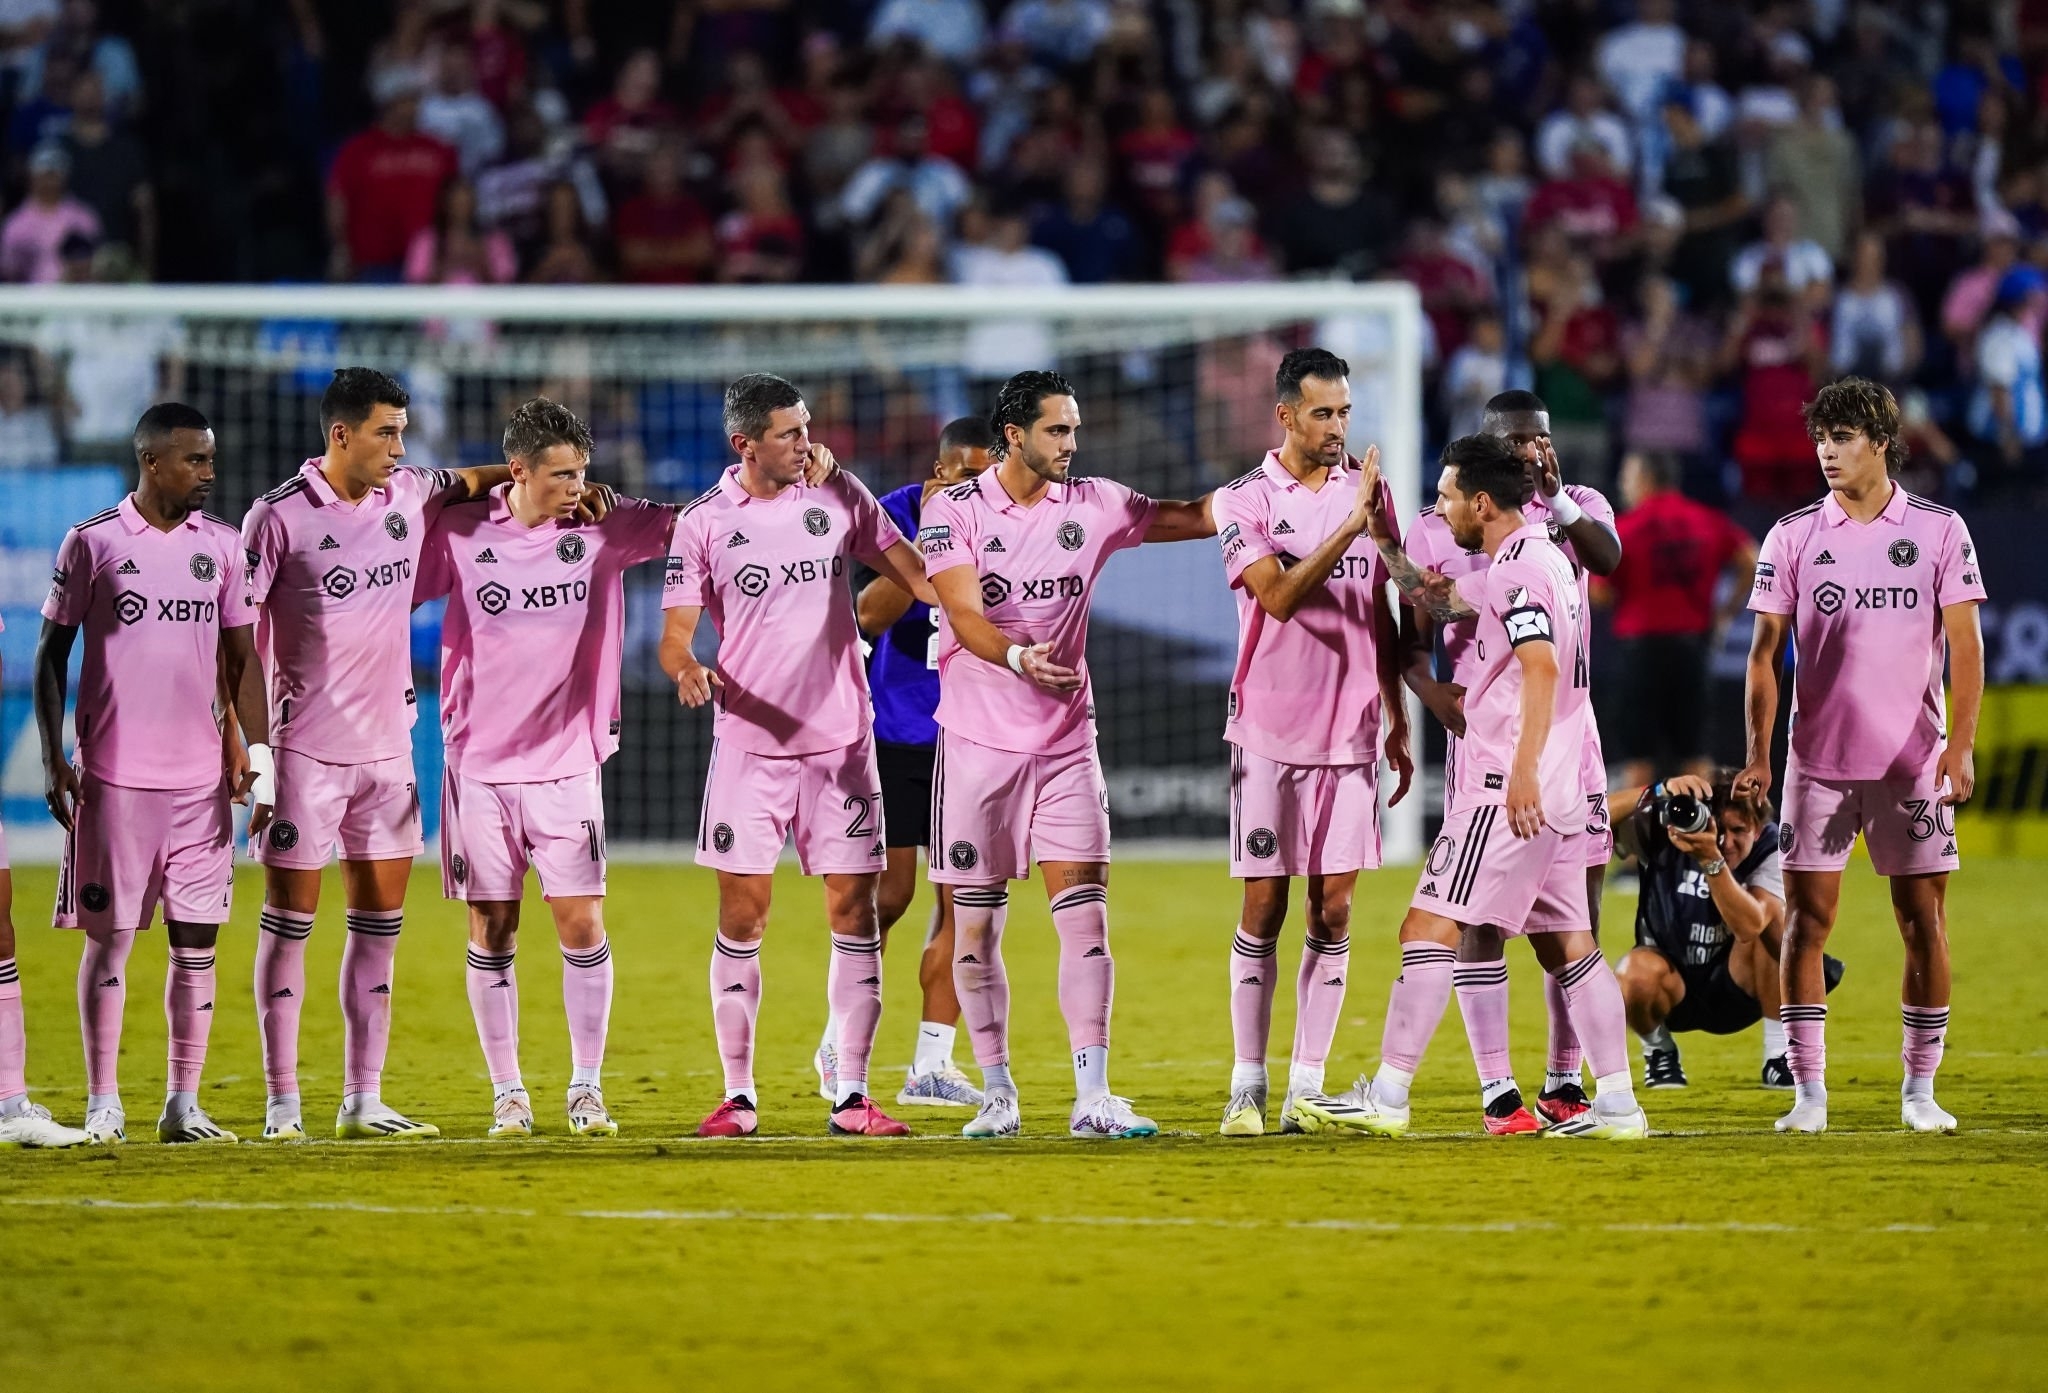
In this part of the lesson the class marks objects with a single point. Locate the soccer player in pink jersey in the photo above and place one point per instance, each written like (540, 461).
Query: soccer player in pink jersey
(22, 1123)
(1014, 555)
(1878, 591)
(1312, 617)
(530, 650)
(1581, 525)
(1512, 855)
(765, 552)
(159, 589)
(332, 556)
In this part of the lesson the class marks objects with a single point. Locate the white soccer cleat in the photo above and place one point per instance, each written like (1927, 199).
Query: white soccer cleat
(377, 1122)
(1355, 1109)
(1924, 1115)
(511, 1117)
(826, 1062)
(1108, 1117)
(1804, 1117)
(106, 1126)
(194, 1127)
(587, 1115)
(947, 1087)
(34, 1130)
(1595, 1125)
(997, 1118)
(284, 1129)
(1245, 1114)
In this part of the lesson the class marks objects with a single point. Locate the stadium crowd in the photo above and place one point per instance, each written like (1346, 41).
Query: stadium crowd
(1673, 220)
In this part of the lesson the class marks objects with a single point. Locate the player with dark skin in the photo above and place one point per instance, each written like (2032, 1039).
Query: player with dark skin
(176, 479)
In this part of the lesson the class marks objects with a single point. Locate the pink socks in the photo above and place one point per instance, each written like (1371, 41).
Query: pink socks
(1483, 1002)
(1252, 982)
(494, 1001)
(978, 975)
(366, 960)
(1080, 917)
(13, 1034)
(735, 1005)
(188, 1007)
(853, 991)
(1319, 999)
(587, 999)
(1420, 994)
(1564, 1039)
(281, 994)
(102, 997)
(1806, 1030)
(1598, 1014)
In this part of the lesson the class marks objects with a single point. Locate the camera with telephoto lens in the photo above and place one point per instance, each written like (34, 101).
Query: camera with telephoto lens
(1681, 812)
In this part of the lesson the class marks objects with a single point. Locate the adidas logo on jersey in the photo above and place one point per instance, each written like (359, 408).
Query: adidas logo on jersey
(487, 557)
(1285, 528)
(1826, 558)
(1949, 850)
(329, 544)
(1428, 888)
(993, 544)
(738, 539)
(128, 568)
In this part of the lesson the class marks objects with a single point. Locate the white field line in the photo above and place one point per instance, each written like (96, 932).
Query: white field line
(744, 1216)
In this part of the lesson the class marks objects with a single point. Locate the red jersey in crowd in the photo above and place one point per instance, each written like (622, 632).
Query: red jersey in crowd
(1673, 551)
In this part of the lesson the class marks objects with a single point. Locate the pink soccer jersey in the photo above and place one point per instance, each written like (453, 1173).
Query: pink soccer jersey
(534, 634)
(1328, 648)
(1866, 602)
(771, 573)
(333, 583)
(152, 605)
(1037, 566)
(1526, 595)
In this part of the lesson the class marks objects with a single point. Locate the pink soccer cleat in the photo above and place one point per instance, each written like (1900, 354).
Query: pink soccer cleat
(1506, 1117)
(859, 1117)
(1562, 1105)
(734, 1117)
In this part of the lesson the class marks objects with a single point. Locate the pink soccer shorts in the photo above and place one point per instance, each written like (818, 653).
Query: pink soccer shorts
(830, 803)
(994, 812)
(367, 812)
(132, 849)
(1298, 819)
(1905, 827)
(491, 833)
(1480, 872)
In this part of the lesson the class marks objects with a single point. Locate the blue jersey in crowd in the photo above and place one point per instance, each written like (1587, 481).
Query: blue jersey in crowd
(903, 673)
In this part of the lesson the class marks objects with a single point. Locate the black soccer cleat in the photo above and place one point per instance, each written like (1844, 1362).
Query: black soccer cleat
(1661, 1069)
(1777, 1074)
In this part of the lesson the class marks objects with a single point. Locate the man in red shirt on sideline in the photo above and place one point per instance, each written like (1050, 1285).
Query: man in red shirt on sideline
(384, 186)
(1674, 551)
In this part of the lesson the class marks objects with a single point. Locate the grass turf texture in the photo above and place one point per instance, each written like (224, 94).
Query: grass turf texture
(1719, 1257)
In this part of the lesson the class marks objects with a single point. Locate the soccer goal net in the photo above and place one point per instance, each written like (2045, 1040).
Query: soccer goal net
(1175, 385)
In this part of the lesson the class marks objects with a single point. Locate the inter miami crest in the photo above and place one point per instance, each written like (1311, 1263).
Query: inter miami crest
(203, 567)
(1260, 843)
(1070, 536)
(95, 898)
(1903, 552)
(458, 867)
(569, 550)
(721, 838)
(283, 835)
(962, 856)
(817, 521)
(394, 525)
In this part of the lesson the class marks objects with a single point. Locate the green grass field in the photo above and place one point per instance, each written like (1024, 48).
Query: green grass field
(1718, 1256)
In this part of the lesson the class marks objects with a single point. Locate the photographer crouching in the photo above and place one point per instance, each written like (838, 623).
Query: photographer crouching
(1709, 922)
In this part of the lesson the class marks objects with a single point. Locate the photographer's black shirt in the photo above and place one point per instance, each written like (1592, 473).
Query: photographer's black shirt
(1676, 914)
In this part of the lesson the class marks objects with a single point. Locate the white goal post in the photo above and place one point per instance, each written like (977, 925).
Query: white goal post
(1175, 386)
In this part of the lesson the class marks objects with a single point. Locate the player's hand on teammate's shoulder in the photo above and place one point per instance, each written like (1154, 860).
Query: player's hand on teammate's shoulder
(694, 682)
(821, 466)
(1037, 666)
(597, 501)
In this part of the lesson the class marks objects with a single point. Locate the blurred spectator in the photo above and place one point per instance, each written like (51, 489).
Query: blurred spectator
(1006, 89)
(1338, 223)
(567, 255)
(1925, 211)
(1583, 117)
(455, 112)
(28, 434)
(384, 187)
(917, 256)
(1639, 60)
(1932, 455)
(109, 369)
(1777, 348)
(927, 88)
(513, 196)
(624, 126)
(110, 173)
(81, 43)
(1576, 355)
(663, 234)
(1234, 401)
(1669, 352)
(840, 144)
(1057, 33)
(1476, 373)
(1675, 554)
(1970, 295)
(1155, 154)
(2008, 416)
(24, 25)
(1004, 259)
(750, 99)
(1806, 269)
(33, 236)
(1589, 203)
(1086, 232)
(1974, 70)
(1451, 288)
(1230, 250)
(1700, 174)
(497, 50)
(937, 184)
(760, 242)
(955, 30)
(1504, 186)
(1875, 331)
(1816, 165)
(406, 54)
(43, 118)
(458, 249)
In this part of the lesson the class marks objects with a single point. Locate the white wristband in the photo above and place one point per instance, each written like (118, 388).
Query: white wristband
(1015, 658)
(263, 764)
(1564, 508)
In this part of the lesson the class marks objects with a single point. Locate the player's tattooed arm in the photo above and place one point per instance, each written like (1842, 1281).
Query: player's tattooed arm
(694, 682)
(960, 596)
(1760, 700)
(1958, 762)
(52, 677)
(1434, 594)
(1177, 521)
